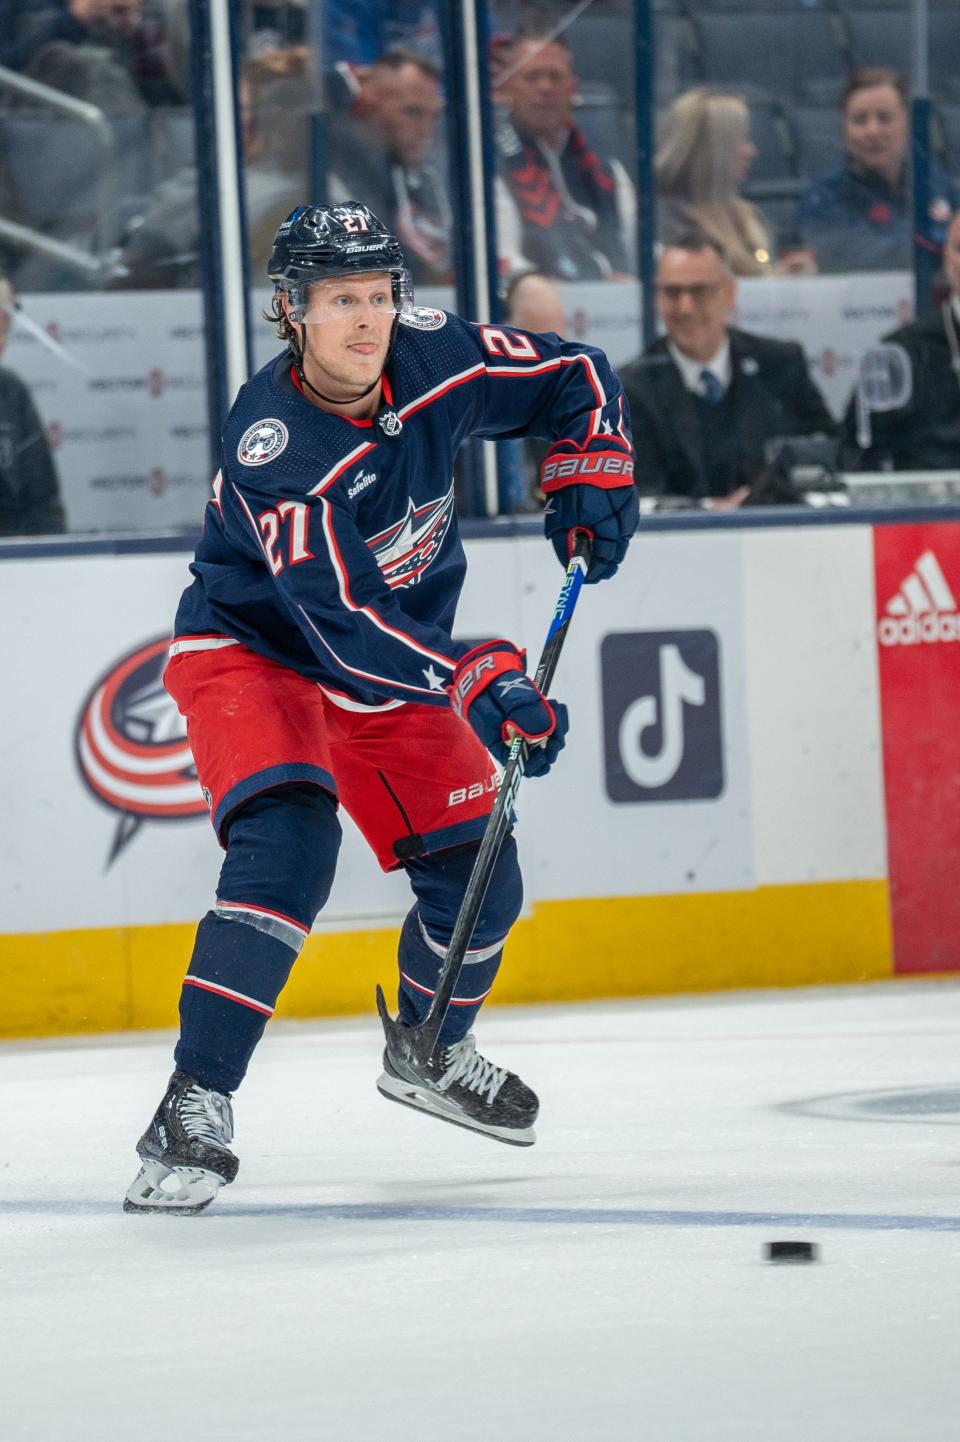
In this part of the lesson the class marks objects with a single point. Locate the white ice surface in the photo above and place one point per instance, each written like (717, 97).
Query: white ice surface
(377, 1276)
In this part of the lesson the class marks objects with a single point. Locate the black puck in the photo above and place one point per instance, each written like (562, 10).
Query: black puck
(791, 1252)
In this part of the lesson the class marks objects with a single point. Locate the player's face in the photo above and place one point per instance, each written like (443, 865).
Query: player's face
(951, 254)
(875, 129)
(347, 333)
(540, 88)
(695, 293)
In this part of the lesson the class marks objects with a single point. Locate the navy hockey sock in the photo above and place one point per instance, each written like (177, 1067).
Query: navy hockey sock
(281, 855)
(229, 995)
(439, 882)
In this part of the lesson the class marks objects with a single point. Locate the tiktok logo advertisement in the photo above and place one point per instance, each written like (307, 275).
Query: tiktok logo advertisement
(662, 723)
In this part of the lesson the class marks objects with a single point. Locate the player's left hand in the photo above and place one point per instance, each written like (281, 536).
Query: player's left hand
(608, 514)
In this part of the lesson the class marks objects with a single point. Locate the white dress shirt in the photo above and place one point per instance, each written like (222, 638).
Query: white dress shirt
(719, 365)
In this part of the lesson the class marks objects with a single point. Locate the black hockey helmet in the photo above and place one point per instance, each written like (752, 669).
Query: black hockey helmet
(322, 242)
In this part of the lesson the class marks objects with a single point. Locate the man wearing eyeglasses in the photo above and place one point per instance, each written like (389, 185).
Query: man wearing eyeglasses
(707, 399)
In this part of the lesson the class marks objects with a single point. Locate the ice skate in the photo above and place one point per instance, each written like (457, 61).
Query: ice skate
(461, 1086)
(184, 1151)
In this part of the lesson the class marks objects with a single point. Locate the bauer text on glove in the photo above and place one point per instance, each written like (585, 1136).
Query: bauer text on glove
(491, 690)
(590, 491)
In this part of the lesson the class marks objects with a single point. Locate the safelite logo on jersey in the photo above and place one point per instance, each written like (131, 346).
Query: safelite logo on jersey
(917, 581)
(923, 610)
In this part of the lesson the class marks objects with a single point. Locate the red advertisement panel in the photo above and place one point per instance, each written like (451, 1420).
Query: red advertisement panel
(917, 571)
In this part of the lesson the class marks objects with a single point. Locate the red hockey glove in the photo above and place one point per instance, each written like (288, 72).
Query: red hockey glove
(492, 691)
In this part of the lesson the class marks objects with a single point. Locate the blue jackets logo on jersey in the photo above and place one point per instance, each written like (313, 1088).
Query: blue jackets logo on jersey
(262, 442)
(131, 746)
(404, 550)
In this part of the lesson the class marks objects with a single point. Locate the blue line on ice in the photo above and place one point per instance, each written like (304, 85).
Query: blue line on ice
(563, 1216)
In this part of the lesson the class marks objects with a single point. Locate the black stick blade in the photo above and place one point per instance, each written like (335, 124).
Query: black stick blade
(406, 1045)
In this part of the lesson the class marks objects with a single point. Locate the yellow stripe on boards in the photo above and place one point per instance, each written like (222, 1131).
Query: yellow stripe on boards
(128, 978)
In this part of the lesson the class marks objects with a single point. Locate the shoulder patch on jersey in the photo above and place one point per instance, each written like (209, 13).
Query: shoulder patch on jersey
(423, 317)
(262, 442)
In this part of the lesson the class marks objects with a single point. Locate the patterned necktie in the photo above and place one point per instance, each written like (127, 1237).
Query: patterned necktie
(712, 391)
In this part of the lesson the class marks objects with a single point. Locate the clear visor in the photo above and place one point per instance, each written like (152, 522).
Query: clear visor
(345, 297)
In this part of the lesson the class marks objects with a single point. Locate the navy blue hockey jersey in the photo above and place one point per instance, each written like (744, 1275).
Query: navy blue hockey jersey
(334, 549)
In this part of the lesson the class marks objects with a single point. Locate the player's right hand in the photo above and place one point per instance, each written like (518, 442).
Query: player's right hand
(492, 691)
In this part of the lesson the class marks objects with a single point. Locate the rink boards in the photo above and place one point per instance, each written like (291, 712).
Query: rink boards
(760, 787)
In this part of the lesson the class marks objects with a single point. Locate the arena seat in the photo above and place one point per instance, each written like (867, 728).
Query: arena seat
(772, 50)
(880, 37)
(603, 48)
(949, 116)
(778, 202)
(771, 134)
(944, 49)
(817, 138)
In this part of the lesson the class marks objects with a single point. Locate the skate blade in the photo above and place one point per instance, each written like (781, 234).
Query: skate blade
(180, 1191)
(395, 1089)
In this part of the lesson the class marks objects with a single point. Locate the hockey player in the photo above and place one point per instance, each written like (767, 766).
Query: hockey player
(314, 663)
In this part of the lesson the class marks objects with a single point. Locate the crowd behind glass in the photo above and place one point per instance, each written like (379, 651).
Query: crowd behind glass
(750, 182)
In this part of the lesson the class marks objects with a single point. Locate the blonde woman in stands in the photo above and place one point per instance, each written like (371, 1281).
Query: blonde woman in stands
(704, 157)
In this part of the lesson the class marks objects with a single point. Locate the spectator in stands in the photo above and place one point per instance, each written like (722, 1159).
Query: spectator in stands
(385, 153)
(29, 488)
(702, 161)
(923, 433)
(860, 217)
(277, 94)
(532, 302)
(103, 51)
(561, 208)
(706, 400)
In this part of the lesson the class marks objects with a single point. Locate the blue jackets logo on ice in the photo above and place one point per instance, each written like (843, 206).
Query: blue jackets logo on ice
(131, 746)
(262, 442)
(662, 727)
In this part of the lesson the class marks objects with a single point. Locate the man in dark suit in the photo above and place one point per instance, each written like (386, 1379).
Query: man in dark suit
(705, 399)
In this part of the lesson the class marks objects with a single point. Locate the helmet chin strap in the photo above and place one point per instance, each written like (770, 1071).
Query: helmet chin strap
(299, 349)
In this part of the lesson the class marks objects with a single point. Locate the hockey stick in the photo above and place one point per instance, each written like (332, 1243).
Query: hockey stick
(416, 1043)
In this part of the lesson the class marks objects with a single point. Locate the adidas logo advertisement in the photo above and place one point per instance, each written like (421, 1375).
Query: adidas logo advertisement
(923, 610)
